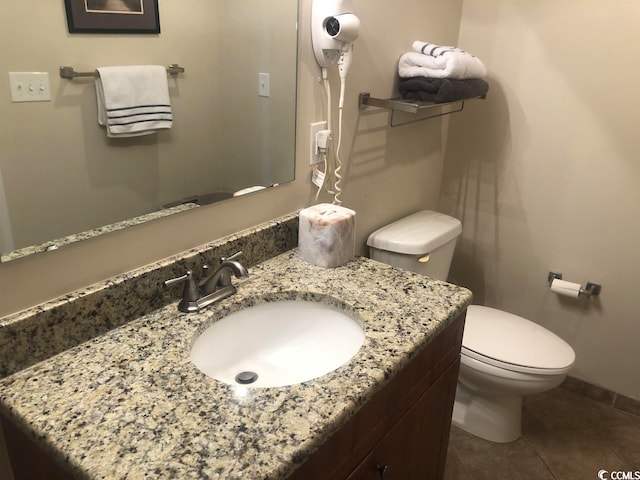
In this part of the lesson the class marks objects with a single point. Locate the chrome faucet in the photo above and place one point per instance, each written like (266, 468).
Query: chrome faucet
(212, 288)
(221, 277)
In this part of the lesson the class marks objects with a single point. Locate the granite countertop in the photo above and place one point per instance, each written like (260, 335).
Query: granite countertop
(130, 404)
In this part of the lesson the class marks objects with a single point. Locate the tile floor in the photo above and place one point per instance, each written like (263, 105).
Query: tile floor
(566, 436)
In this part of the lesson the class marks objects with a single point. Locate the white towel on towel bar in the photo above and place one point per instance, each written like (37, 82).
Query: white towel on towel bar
(435, 61)
(133, 100)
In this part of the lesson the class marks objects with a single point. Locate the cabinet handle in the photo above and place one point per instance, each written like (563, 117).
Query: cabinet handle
(382, 470)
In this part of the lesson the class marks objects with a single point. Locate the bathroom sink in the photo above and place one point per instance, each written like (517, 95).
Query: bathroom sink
(277, 344)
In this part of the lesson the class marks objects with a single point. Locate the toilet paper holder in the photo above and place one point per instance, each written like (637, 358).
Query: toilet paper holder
(589, 290)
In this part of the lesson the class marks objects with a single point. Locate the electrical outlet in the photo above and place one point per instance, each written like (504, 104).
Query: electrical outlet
(313, 151)
(29, 86)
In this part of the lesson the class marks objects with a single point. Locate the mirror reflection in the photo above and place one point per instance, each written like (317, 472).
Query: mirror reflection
(63, 179)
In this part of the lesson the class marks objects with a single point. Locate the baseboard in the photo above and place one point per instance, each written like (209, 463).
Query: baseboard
(602, 395)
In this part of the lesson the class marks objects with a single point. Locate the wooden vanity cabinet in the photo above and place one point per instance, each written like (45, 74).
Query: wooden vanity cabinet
(416, 446)
(403, 432)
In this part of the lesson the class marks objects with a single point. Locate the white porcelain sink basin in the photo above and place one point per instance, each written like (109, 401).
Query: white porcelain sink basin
(277, 344)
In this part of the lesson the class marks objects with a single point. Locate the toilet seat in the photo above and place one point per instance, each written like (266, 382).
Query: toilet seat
(528, 348)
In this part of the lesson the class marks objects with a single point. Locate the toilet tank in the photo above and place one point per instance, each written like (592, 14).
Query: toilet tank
(423, 243)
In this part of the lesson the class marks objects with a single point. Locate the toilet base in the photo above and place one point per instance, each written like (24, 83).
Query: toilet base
(497, 418)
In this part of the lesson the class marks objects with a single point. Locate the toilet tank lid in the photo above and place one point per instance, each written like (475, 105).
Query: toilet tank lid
(417, 234)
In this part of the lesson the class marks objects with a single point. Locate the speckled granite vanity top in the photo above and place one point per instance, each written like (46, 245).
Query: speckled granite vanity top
(130, 404)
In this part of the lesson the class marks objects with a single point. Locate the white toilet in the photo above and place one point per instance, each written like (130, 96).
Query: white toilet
(504, 356)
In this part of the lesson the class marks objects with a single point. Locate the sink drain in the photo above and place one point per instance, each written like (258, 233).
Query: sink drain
(245, 378)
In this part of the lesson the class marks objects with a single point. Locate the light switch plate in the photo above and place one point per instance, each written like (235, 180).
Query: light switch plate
(264, 86)
(29, 86)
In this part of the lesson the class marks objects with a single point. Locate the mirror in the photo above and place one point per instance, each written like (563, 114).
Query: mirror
(233, 109)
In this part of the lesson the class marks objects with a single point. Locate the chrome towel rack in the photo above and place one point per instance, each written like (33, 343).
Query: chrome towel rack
(417, 108)
(70, 73)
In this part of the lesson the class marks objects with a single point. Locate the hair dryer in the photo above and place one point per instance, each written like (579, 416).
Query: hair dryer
(333, 28)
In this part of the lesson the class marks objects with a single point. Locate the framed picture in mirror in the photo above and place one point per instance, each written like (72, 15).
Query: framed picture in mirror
(112, 16)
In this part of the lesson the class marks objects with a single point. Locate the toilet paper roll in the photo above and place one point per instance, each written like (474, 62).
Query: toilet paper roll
(568, 289)
(326, 235)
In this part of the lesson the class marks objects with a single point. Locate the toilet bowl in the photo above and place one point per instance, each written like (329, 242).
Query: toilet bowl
(504, 357)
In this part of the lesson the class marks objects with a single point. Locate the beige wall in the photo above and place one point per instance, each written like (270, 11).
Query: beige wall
(389, 172)
(545, 173)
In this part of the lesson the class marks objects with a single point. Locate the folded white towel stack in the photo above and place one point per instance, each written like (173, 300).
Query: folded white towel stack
(434, 61)
(133, 100)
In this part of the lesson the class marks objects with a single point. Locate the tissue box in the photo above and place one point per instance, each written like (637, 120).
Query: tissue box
(326, 235)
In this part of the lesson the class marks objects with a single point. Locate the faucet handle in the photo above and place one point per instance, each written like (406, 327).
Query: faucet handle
(190, 293)
(233, 257)
(207, 269)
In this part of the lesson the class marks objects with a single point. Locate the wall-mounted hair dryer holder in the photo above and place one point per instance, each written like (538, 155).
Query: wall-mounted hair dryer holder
(333, 28)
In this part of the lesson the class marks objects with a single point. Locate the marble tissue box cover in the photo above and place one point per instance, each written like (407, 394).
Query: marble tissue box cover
(326, 235)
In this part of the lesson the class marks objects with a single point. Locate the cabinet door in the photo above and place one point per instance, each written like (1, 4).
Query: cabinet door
(416, 447)
(28, 460)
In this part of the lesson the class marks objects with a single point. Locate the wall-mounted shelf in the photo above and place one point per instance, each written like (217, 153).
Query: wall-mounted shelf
(421, 110)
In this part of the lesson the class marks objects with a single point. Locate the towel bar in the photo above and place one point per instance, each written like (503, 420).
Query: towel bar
(70, 73)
